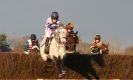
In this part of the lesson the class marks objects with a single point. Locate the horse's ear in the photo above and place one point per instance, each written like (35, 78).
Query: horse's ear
(76, 32)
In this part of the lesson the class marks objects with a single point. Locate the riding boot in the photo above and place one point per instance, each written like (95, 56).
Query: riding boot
(47, 45)
(51, 39)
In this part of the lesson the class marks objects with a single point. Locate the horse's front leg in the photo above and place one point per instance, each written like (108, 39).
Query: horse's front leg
(63, 68)
(57, 62)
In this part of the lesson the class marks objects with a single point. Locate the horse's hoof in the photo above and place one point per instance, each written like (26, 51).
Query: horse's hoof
(63, 72)
(60, 75)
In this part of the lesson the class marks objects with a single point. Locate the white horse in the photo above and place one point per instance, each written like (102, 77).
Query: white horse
(57, 50)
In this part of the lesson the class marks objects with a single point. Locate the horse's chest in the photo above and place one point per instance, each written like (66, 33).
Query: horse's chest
(55, 43)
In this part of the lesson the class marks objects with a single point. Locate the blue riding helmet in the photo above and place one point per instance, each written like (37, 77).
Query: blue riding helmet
(55, 15)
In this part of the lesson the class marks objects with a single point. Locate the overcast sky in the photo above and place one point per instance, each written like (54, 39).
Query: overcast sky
(113, 19)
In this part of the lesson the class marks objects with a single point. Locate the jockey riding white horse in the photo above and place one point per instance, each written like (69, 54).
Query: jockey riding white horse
(57, 50)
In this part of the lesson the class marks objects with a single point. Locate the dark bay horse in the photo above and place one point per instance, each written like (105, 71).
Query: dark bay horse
(104, 48)
(72, 41)
(35, 48)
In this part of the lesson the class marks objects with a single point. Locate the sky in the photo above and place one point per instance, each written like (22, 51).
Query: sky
(112, 19)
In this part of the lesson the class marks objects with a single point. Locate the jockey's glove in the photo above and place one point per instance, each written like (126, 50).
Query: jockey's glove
(51, 27)
(52, 35)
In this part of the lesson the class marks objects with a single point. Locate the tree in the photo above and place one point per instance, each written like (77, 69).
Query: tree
(4, 46)
(3, 38)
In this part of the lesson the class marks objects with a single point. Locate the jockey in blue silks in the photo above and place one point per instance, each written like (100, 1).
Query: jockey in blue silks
(52, 23)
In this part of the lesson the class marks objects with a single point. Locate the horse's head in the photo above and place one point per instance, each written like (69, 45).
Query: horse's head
(60, 34)
(105, 49)
(72, 40)
(75, 35)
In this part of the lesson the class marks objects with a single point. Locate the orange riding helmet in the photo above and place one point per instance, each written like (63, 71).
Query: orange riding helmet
(70, 26)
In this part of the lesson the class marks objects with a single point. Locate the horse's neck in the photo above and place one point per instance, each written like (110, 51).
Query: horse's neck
(54, 42)
(34, 43)
(71, 32)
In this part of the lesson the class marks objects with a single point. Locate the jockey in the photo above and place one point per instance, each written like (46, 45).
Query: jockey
(29, 44)
(69, 28)
(96, 45)
(51, 25)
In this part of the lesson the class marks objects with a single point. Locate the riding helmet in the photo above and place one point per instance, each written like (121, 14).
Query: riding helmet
(70, 25)
(97, 37)
(55, 15)
(33, 37)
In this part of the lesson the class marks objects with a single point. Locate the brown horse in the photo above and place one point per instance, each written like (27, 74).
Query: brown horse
(104, 48)
(35, 48)
(72, 41)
